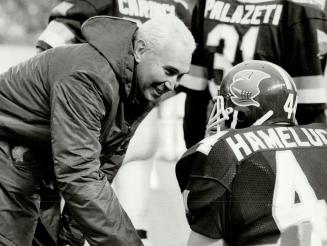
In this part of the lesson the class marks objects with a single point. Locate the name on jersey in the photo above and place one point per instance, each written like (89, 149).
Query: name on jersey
(245, 14)
(244, 144)
(144, 8)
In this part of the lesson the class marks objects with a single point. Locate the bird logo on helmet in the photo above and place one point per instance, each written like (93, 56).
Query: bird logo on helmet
(245, 87)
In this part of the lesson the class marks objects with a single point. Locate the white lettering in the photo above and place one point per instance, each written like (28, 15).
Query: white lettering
(297, 138)
(144, 8)
(236, 147)
(277, 138)
(284, 136)
(254, 141)
(271, 139)
(248, 12)
(122, 8)
(269, 10)
(316, 141)
(237, 16)
(255, 20)
(209, 6)
(133, 8)
(216, 11)
(224, 13)
(322, 133)
(245, 14)
(277, 15)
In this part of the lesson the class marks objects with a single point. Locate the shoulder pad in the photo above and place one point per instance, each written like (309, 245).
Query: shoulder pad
(199, 162)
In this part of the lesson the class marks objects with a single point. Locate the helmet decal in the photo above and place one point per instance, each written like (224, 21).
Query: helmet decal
(245, 87)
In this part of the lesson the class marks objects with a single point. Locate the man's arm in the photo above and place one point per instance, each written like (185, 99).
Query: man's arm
(76, 113)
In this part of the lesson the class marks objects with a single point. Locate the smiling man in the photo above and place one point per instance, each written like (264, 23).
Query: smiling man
(160, 65)
(68, 114)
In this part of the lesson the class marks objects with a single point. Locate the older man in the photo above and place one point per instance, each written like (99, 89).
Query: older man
(78, 106)
(64, 28)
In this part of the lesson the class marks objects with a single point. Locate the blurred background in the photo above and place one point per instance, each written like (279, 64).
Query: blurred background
(21, 22)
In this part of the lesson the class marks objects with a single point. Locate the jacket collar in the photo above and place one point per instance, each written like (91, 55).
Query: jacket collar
(113, 38)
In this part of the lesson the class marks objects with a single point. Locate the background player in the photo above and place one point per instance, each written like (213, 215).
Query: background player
(67, 17)
(64, 28)
(290, 33)
(261, 175)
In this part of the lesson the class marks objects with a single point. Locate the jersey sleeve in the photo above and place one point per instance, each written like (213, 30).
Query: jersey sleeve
(205, 208)
(204, 180)
(66, 19)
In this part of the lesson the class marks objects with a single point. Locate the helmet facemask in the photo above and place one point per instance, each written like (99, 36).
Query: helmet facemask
(218, 116)
(231, 117)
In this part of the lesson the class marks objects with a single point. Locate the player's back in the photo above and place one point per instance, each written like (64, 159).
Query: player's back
(256, 182)
(280, 180)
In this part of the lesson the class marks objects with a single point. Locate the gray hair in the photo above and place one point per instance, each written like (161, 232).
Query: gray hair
(158, 30)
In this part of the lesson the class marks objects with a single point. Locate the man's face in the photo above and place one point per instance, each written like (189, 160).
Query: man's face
(159, 71)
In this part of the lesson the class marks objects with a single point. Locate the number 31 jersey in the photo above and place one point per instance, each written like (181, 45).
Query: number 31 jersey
(289, 33)
(248, 186)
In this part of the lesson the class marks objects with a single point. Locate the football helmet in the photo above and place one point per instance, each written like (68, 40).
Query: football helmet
(254, 93)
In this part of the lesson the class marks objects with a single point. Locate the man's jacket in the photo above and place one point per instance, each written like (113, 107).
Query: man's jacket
(81, 101)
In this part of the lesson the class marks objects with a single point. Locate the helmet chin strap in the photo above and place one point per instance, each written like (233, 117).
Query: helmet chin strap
(263, 118)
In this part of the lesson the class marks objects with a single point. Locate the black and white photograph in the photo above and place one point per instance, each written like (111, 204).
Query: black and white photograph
(163, 122)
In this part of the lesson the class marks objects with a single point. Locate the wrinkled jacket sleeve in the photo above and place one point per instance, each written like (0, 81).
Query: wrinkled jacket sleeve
(66, 19)
(111, 165)
(76, 112)
(111, 162)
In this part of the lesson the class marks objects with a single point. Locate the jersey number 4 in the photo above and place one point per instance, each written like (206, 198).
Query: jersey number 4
(291, 180)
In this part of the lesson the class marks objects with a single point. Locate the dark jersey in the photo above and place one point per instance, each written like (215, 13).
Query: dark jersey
(289, 33)
(247, 186)
(67, 17)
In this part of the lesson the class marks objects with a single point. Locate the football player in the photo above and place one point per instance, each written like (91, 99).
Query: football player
(289, 33)
(67, 17)
(259, 174)
(64, 28)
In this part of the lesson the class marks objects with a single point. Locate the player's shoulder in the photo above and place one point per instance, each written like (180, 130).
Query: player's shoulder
(205, 145)
(301, 10)
(217, 156)
(210, 145)
(203, 160)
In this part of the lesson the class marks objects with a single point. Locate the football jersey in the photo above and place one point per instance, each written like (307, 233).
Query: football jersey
(289, 33)
(67, 17)
(247, 186)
